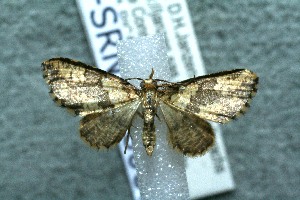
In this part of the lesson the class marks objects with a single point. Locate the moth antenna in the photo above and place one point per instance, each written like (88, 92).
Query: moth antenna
(127, 79)
(152, 73)
(165, 81)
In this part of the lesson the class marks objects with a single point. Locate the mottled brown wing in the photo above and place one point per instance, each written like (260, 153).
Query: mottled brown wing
(188, 133)
(107, 128)
(84, 89)
(216, 97)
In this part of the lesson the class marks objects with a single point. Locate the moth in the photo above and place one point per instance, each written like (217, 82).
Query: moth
(108, 104)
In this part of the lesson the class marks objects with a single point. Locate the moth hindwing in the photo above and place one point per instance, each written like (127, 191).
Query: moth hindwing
(108, 103)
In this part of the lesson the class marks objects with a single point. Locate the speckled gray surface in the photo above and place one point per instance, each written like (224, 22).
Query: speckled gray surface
(42, 156)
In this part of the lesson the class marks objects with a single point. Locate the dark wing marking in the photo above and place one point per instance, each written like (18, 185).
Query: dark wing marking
(107, 128)
(188, 133)
(217, 97)
(84, 89)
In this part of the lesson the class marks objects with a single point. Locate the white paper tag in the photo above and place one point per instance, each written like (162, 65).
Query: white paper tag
(108, 21)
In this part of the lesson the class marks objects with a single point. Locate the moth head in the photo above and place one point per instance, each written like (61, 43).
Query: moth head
(148, 84)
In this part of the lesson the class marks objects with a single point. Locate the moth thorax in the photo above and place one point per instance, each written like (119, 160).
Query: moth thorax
(148, 84)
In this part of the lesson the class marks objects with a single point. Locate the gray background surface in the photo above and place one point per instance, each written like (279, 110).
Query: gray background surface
(41, 154)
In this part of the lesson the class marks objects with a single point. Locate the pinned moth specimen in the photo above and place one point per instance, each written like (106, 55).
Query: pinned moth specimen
(108, 103)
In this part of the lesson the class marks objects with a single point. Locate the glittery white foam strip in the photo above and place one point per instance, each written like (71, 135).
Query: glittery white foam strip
(161, 176)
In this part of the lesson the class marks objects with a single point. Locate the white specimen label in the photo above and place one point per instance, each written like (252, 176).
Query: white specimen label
(107, 21)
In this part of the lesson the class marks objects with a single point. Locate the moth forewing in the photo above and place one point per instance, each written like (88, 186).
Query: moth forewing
(84, 89)
(216, 97)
